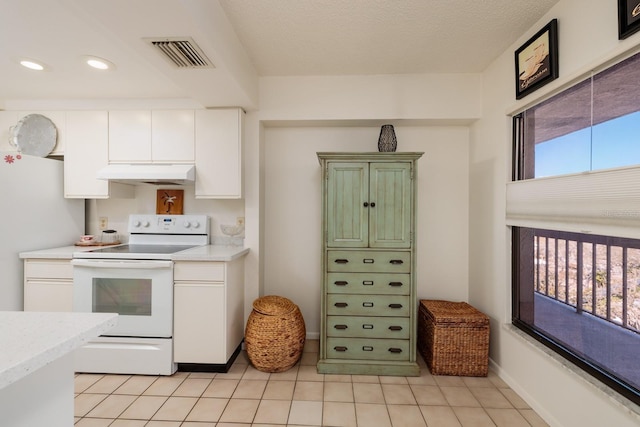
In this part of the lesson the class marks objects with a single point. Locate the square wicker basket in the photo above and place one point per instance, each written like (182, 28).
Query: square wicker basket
(453, 338)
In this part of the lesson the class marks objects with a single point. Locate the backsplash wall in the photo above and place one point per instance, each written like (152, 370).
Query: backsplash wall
(117, 211)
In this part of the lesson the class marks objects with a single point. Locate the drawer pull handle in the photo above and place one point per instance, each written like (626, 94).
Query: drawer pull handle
(367, 348)
(395, 350)
(396, 261)
(341, 261)
(341, 283)
(340, 348)
(341, 304)
(368, 260)
(395, 328)
(367, 282)
(395, 284)
(340, 326)
(395, 305)
(367, 326)
(367, 304)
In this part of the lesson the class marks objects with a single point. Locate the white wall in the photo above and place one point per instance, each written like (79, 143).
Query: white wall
(587, 37)
(292, 206)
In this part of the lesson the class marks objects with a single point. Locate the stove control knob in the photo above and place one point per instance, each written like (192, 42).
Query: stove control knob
(145, 224)
(196, 224)
(136, 224)
(187, 224)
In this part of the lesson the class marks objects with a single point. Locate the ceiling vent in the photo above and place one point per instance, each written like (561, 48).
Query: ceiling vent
(183, 52)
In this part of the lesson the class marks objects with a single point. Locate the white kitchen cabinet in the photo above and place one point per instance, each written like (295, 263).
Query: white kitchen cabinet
(208, 314)
(86, 152)
(11, 118)
(48, 285)
(219, 153)
(145, 136)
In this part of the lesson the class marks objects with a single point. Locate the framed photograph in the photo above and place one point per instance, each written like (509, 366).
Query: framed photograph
(537, 60)
(628, 18)
(169, 202)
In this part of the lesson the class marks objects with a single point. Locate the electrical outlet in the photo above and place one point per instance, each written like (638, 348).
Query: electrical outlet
(240, 220)
(103, 223)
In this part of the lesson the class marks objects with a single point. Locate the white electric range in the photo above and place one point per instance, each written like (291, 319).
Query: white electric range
(135, 280)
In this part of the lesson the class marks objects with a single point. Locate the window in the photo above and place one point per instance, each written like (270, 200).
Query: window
(574, 209)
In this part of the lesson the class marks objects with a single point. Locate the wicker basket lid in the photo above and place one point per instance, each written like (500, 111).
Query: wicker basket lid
(273, 305)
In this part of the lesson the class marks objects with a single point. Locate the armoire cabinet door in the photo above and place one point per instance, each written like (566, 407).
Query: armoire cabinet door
(347, 217)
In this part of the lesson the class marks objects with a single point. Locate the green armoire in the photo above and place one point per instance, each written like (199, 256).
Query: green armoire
(369, 304)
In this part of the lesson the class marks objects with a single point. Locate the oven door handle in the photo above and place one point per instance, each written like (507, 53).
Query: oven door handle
(121, 263)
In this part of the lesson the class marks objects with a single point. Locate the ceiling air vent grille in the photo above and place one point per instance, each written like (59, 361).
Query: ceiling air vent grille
(182, 52)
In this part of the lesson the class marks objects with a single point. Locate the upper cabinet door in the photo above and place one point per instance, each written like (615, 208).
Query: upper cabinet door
(347, 205)
(390, 205)
(129, 136)
(173, 136)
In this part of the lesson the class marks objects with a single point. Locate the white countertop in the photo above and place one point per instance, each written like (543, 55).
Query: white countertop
(200, 253)
(31, 340)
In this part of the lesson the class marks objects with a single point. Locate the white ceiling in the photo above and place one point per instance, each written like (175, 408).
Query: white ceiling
(245, 39)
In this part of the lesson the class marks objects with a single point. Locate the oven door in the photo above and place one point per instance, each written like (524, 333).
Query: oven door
(141, 292)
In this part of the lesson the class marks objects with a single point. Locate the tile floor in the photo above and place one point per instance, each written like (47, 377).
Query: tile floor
(298, 397)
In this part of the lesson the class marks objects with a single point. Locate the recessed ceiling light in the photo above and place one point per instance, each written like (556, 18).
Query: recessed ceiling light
(32, 65)
(98, 63)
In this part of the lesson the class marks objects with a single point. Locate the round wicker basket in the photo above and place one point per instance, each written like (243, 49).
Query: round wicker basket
(275, 334)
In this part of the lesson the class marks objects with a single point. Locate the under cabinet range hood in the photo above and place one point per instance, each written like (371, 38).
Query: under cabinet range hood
(156, 174)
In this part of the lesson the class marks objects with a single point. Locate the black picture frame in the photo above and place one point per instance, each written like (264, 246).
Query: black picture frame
(537, 60)
(628, 18)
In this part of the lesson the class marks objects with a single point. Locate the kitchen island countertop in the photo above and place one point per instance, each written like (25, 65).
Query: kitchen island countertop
(199, 253)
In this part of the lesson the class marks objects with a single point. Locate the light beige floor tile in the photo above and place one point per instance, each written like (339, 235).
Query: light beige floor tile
(336, 378)
(249, 389)
(425, 378)
(372, 379)
(221, 388)
(273, 412)
(473, 417)
(439, 416)
(398, 394)
(338, 392)
(309, 373)
(514, 398)
(309, 390)
(207, 410)
(190, 424)
(490, 397)
(309, 359)
(368, 393)
(428, 395)
(507, 417)
(460, 396)
(112, 406)
(305, 413)
(372, 415)
(164, 386)
(83, 403)
(192, 387)
(94, 422)
(136, 385)
(533, 418)
(201, 375)
(279, 390)
(107, 384)
(235, 372)
(339, 414)
(81, 382)
(406, 416)
(288, 375)
(496, 380)
(477, 382)
(144, 407)
(387, 379)
(252, 373)
(163, 424)
(175, 409)
(449, 381)
(240, 411)
(132, 423)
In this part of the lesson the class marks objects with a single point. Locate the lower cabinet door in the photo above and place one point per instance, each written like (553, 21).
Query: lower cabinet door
(48, 295)
(367, 349)
(199, 323)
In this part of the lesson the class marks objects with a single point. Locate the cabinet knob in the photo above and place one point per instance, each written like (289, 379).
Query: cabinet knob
(366, 204)
(373, 204)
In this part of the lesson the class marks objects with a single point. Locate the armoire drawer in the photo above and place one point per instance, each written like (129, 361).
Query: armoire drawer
(368, 305)
(369, 261)
(369, 283)
(367, 349)
(368, 327)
